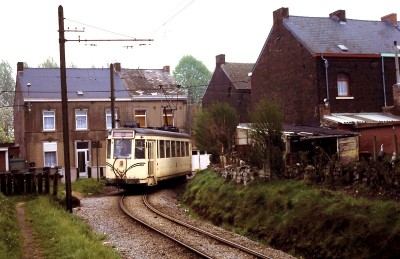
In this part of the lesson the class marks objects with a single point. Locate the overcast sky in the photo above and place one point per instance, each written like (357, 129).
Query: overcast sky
(201, 28)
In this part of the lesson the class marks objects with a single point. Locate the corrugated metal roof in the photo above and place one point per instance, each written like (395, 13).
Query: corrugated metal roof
(358, 118)
(308, 131)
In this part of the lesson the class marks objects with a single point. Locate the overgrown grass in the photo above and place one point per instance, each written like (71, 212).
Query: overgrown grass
(63, 235)
(298, 217)
(10, 237)
(59, 233)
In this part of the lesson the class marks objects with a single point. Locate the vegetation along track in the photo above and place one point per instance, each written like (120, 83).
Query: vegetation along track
(197, 240)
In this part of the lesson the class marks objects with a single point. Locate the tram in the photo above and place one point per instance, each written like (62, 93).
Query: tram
(142, 156)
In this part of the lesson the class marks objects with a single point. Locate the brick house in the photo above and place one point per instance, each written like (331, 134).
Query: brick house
(310, 64)
(230, 83)
(38, 110)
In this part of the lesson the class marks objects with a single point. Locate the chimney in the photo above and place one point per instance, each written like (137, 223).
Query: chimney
(20, 67)
(339, 15)
(166, 69)
(219, 60)
(392, 18)
(280, 14)
(117, 67)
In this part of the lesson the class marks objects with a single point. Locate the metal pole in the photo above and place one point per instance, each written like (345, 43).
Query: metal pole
(64, 100)
(396, 60)
(112, 96)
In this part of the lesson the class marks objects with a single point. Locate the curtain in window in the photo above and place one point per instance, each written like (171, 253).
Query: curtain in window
(50, 159)
(343, 84)
(48, 120)
(81, 120)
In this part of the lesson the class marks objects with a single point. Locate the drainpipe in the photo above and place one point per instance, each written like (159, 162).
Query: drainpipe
(383, 82)
(326, 76)
(396, 59)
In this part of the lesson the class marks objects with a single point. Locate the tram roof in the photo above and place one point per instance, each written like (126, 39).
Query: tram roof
(154, 132)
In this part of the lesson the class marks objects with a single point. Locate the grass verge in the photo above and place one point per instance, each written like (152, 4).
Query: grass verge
(64, 235)
(298, 217)
(10, 237)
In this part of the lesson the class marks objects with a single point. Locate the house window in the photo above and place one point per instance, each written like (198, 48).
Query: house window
(343, 84)
(168, 117)
(109, 119)
(50, 154)
(49, 119)
(81, 119)
(230, 92)
(140, 117)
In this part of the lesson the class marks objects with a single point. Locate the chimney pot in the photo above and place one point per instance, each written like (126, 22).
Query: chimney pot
(220, 60)
(117, 67)
(20, 67)
(166, 69)
(338, 15)
(279, 14)
(392, 18)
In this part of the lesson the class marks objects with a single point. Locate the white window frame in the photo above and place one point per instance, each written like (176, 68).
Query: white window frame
(141, 116)
(49, 116)
(50, 147)
(343, 85)
(81, 114)
(109, 118)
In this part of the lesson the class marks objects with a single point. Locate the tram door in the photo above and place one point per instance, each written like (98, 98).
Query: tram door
(151, 157)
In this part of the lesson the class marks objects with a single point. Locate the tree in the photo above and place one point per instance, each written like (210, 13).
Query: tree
(49, 63)
(266, 130)
(193, 76)
(215, 128)
(6, 103)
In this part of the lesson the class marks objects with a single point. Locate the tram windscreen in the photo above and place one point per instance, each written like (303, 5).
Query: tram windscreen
(122, 148)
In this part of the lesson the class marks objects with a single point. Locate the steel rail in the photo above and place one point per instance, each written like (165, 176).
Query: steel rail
(126, 211)
(225, 241)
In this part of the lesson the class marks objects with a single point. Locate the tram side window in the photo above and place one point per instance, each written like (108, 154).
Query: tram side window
(122, 148)
(139, 149)
(173, 149)
(162, 149)
(178, 148)
(168, 149)
(187, 148)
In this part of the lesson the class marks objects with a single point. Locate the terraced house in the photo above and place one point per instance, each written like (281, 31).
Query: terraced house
(332, 71)
(145, 97)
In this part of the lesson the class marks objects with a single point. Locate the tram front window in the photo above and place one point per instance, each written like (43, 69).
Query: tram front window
(122, 148)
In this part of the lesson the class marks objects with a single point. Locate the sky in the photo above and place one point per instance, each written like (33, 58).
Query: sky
(201, 28)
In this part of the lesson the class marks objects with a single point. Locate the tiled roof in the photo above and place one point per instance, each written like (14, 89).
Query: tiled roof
(238, 74)
(148, 82)
(323, 35)
(82, 83)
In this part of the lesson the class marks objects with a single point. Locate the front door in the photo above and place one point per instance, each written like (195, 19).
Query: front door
(82, 157)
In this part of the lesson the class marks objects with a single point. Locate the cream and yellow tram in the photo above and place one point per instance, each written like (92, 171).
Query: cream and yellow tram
(146, 156)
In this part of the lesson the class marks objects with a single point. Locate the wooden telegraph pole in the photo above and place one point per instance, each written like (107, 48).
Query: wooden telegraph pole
(64, 100)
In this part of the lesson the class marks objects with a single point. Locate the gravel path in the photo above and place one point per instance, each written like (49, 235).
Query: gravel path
(135, 241)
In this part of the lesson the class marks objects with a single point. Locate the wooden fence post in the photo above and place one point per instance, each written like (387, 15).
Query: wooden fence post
(46, 172)
(9, 183)
(3, 183)
(40, 182)
(55, 182)
(34, 179)
(28, 181)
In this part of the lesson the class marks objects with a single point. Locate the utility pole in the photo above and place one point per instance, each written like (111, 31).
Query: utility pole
(112, 96)
(64, 100)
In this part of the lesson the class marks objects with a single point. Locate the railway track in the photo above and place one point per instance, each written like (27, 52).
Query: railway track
(199, 241)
